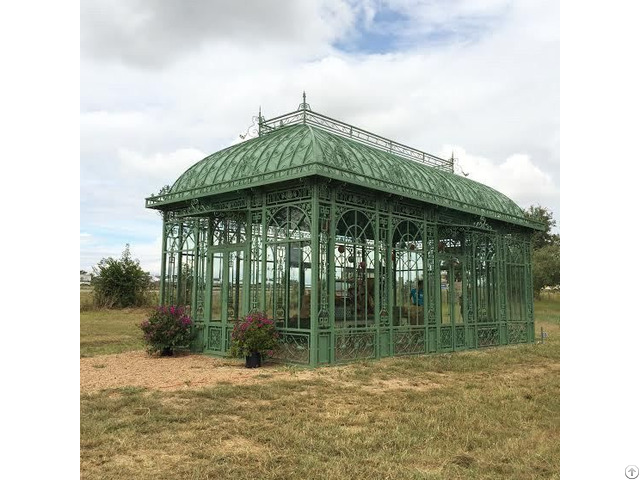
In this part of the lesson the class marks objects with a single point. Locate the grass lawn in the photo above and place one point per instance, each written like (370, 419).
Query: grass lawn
(487, 414)
(111, 331)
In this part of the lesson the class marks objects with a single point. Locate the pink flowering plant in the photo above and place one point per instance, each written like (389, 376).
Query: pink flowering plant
(256, 333)
(167, 327)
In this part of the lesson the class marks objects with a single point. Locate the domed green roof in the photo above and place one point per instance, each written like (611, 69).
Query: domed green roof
(302, 150)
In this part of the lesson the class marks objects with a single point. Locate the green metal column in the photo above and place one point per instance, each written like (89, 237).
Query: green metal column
(466, 262)
(195, 270)
(531, 332)
(315, 261)
(208, 279)
(501, 271)
(376, 274)
(163, 263)
(387, 340)
(263, 266)
(431, 285)
(474, 290)
(331, 277)
(438, 290)
(324, 333)
(179, 300)
(197, 344)
(425, 281)
(246, 267)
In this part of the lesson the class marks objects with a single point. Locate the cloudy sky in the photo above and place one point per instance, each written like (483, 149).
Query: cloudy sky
(165, 83)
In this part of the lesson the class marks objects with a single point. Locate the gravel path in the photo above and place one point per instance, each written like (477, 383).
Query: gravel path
(179, 372)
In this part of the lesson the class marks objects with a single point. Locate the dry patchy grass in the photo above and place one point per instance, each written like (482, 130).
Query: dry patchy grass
(487, 414)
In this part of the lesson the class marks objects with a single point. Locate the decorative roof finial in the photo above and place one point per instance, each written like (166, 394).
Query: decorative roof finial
(304, 105)
(455, 164)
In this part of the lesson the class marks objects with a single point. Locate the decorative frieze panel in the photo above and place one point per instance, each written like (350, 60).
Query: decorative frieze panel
(294, 348)
(354, 346)
(460, 336)
(288, 195)
(199, 207)
(348, 197)
(517, 332)
(446, 338)
(214, 338)
(406, 210)
(409, 342)
(488, 336)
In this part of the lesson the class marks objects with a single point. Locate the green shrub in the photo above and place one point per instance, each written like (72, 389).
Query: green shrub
(120, 282)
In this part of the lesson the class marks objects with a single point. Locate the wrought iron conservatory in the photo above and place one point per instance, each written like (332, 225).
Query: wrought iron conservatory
(357, 246)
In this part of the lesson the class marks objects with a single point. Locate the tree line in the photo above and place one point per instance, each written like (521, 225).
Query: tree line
(545, 250)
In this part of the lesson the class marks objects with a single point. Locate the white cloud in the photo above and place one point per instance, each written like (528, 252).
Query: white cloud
(144, 33)
(516, 177)
(495, 95)
(159, 166)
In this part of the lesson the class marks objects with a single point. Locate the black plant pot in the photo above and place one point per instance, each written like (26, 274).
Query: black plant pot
(166, 352)
(253, 360)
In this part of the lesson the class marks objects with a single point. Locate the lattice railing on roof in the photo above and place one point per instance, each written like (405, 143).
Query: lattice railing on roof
(304, 115)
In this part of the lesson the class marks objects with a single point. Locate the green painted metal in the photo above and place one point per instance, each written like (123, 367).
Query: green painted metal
(293, 223)
(298, 151)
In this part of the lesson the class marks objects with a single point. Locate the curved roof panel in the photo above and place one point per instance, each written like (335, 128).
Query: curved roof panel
(301, 150)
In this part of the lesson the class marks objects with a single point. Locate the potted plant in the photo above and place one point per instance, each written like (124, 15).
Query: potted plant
(254, 337)
(166, 328)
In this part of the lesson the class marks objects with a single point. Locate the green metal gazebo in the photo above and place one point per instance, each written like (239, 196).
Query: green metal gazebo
(357, 247)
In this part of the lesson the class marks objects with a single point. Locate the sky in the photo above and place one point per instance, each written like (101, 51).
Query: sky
(164, 84)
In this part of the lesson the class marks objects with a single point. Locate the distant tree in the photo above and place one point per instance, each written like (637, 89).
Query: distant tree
(544, 215)
(120, 282)
(545, 255)
(546, 267)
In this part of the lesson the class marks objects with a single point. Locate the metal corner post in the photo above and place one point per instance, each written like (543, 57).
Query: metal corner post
(163, 264)
(315, 262)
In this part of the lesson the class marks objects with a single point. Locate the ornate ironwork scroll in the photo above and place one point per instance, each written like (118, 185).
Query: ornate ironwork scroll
(488, 336)
(383, 255)
(294, 348)
(409, 342)
(214, 339)
(323, 245)
(446, 338)
(517, 332)
(201, 270)
(355, 345)
(256, 260)
(460, 336)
